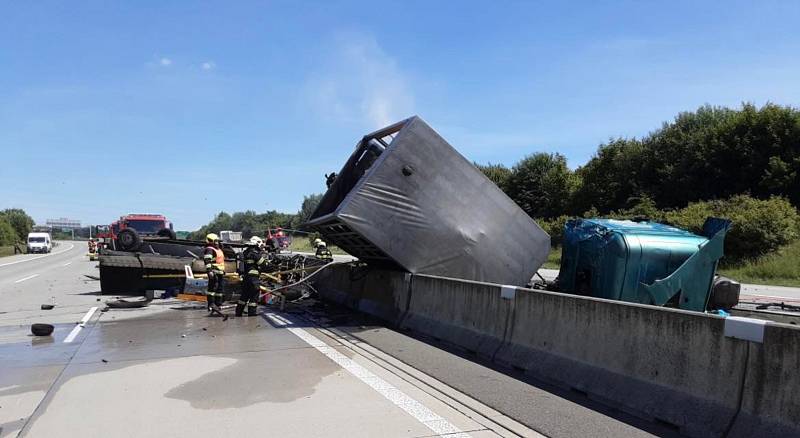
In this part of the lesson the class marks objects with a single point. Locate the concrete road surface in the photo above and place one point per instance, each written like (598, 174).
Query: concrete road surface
(170, 370)
(313, 371)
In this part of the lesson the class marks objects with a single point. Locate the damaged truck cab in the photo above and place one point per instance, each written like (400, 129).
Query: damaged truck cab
(641, 261)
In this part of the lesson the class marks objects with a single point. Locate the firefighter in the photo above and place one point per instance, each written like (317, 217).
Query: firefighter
(253, 259)
(271, 246)
(321, 250)
(214, 260)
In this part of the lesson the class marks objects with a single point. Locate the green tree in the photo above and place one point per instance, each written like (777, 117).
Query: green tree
(307, 208)
(8, 235)
(542, 185)
(612, 179)
(497, 173)
(20, 220)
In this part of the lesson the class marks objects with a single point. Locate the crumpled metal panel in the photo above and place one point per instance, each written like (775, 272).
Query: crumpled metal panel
(641, 262)
(407, 198)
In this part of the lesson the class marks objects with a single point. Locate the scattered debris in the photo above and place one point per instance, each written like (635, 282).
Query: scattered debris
(104, 361)
(47, 306)
(127, 304)
(42, 329)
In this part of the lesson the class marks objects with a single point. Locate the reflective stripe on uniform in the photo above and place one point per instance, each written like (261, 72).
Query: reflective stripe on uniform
(252, 304)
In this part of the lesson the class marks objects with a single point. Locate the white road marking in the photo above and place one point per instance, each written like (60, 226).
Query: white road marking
(67, 264)
(431, 420)
(71, 336)
(39, 257)
(26, 278)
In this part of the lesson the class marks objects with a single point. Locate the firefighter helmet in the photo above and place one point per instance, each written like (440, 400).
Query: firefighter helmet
(211, 237)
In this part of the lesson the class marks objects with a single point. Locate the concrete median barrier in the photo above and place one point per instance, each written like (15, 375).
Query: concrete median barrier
(470, 314)
(771, 392)
(676, 367)
(667, 365)
(376, 292)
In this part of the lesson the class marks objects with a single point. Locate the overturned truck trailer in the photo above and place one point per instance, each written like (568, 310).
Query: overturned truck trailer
(406, 198)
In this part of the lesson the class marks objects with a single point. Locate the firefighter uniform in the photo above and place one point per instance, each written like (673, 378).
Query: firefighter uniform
(214, 259)
(322, 250)
(253, 260)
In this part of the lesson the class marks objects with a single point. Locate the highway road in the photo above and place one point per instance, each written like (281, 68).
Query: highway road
(170, 370)
(313, 371)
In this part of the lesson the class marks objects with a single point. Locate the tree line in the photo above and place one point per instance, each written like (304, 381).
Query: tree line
(251, 223)
(709, 154)
(741, 164)
(15, 225)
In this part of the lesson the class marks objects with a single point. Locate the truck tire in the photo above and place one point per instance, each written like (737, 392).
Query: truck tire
(129, 239)
(42, 329)
(166, 232)
(724, 293)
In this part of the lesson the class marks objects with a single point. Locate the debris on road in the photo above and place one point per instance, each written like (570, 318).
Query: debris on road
(48, 306)
(39, 329)
(127, 304)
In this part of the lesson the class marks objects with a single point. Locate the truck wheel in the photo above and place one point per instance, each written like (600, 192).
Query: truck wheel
(166, 232)
(42, 329)
(129, 239)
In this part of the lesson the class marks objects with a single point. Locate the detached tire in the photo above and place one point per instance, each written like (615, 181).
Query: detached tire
(129, 239)
(166, 232)
(42, 329)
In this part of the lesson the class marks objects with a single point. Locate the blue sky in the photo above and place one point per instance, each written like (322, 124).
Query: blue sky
(108, 108)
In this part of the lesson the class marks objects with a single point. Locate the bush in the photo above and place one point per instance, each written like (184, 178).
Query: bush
(759, 226)
(555, 228)
(19, 220)
(7, 233)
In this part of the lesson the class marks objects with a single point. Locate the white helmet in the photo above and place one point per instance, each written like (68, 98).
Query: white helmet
(255, 240)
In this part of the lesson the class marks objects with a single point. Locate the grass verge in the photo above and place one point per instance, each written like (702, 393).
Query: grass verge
(301, 244)
(781, 268)
(553, 259)
(6, 250)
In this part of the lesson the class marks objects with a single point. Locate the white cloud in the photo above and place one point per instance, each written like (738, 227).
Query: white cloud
(166, 62)
(361, 83)
(208, 65)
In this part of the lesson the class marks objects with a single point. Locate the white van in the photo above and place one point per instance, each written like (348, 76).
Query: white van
(39, 242)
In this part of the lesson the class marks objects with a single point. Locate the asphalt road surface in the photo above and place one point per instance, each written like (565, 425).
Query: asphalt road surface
(313, 371)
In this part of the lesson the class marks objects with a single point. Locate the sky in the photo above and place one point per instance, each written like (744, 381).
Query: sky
(188, 108)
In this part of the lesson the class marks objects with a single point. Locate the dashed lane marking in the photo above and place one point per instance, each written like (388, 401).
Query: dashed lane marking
(74, 333)
(26, 278)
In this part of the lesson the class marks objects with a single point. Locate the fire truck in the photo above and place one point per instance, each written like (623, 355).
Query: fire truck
(127, 232)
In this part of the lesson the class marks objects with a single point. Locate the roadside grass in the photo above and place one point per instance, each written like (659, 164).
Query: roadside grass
(6, 250)
(781, 268)
(553, 259)
(301, 244)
